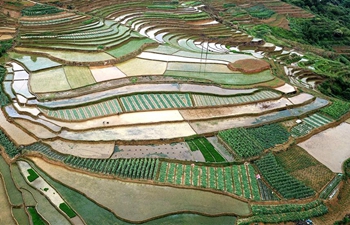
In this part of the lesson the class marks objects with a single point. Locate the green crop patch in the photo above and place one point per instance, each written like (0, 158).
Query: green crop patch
(337, 109)
(250, 142)
(279, 179)
(32, 175)
(67, 210)
(209, 152)
(36, 218)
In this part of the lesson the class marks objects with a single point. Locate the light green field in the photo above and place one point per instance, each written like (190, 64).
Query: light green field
(199, 67)
(129, 47)
(78, 76)
(72, 56)
(49, 81)
(5, 212)
(33, 63)
(225, 78)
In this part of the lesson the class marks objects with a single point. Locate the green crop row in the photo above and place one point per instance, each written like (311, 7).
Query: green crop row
(144, 168)
(277, 177)
(207, 149)
(229, 179)
(287, 216)
(11, 149)
(275, 209)
(331, 186)
(249, 142)
(40, 9)
(337, 109)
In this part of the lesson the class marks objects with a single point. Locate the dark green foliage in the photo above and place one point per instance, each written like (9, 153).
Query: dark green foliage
(46, 150)
(144, 168)
(4, 100)
(249, 142)
(276, 176)
(260, 11)
(285, 213)
(32, 175)
(337, 109)
(40, 9)
(11, 149)
(336, 86)
(209, 152)
(4, 46)
(67, 210)
(36, 218)
(345, 221)
(346, 168)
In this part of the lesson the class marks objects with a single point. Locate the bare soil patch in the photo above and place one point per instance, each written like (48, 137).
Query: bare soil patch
(330, 147)
(180, 151)
(249, 65)
(85, 150)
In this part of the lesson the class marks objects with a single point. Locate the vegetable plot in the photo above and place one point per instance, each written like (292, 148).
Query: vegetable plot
(249, 142)
(276, 176)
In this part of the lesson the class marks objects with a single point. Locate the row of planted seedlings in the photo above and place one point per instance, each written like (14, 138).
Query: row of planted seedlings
(151, 101)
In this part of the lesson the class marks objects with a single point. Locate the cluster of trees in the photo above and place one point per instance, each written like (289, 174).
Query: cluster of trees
(4, 46)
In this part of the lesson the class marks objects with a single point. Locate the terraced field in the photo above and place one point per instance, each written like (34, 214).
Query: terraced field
(104, 100)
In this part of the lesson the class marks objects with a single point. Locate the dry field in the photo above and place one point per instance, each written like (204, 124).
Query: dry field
(146, 201)
(139, 132)
(16, 134)
(85, 150)
(249, 65)
(38, 130)
(330, 147)
(179, 151)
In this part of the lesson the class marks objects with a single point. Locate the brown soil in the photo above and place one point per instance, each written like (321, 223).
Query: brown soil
(249, 66)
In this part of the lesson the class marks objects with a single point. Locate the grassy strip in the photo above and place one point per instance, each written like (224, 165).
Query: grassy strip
(225, 78)
(36, 218)
(21, 216)
(14, 194)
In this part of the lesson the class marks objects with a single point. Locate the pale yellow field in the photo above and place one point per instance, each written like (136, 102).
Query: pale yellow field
(36, 129)
(103, 73)
(78, 76)
(49, 81)
(138, 202)
(138, 67)
(16, 134)
(5, 37)
(85, 150)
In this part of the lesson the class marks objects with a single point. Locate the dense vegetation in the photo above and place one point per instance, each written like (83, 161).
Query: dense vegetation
(260, 11)
(285, 213)
(4, 100)
(4, 46)
(144, 168)
(276, 176)
(207, 149)
(40, 9)
(11, 149)
(65, 208)
(36, 218)
(346, 168)
(32, 175)
(337, 109)
(249, 142)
